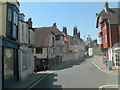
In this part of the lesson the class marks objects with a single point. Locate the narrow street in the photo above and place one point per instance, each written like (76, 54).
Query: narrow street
(84, 75)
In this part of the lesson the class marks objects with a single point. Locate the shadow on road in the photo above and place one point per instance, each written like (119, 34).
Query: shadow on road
(70, 64)
(48, 83)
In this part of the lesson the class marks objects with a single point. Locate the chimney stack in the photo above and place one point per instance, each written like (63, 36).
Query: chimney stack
(65, 30)
(78, 34)
(29, 23)
(21, 16)
(106, 6)
(54, 25)
(75, 30)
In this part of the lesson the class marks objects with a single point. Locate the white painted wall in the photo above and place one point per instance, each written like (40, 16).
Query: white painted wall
(24, 37)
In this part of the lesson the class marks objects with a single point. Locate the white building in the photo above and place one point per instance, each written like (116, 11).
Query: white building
(26, 52)
(78, 45)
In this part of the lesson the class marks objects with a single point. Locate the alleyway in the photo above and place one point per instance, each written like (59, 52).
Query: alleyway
(84, 75)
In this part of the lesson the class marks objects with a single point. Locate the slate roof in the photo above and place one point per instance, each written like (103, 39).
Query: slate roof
(112, 15)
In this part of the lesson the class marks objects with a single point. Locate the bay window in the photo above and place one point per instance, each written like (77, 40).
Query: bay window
(9, 23)
(15, 24)
(12, 21)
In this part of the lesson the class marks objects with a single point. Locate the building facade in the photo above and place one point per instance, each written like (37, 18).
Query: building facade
(44, 50)
(75, 47)
(49, 45)
(10, 46)
(25, 52)
(109, 30)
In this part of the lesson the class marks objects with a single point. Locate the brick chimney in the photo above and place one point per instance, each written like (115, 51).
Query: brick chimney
(65, 30)
(78, 34)
(29, 23)
(54, 25)
(75, 31)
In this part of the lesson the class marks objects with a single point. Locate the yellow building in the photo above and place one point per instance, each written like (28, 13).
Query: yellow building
(9, 14)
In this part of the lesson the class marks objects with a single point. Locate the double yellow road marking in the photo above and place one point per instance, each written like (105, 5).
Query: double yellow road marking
(105, 86)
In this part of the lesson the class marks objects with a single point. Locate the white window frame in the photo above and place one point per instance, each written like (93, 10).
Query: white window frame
(105, 26)
(105, 38)
(101, 40)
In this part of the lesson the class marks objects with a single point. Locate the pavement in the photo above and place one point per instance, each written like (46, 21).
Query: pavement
(105, 68)
(30, 80)
(112, 80)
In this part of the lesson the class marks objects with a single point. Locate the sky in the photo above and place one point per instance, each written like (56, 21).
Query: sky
(69, 14)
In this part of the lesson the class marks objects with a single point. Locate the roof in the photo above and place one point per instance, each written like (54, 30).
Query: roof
(42, 36)
(112, 15)
(55, 30)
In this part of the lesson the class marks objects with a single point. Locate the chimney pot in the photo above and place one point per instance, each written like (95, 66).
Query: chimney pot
(29, 23)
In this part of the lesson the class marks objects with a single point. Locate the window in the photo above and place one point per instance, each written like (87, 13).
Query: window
(105, 38)
(58, 37)
(53, 39)
(101, 40)
(22, 32)
(8, 63)
(12, 22)
(39, 51)
(15, 24)
(105, 25)
(24, 60)
(9, 23)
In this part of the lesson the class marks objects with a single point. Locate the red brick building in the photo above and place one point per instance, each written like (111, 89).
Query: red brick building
(109, 28)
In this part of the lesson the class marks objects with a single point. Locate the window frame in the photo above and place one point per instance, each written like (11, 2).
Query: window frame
(105, 25)
(14, 9)
(40, 50)
(105, 38)
(57, 37)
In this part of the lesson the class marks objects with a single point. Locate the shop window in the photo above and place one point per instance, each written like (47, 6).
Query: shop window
(8, 62)
(24, 60)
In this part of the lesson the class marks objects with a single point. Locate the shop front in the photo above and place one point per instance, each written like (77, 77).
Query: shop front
(9, 63)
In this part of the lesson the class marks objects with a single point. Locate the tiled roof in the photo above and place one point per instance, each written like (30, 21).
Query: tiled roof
(42, 36)
(112, 15)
